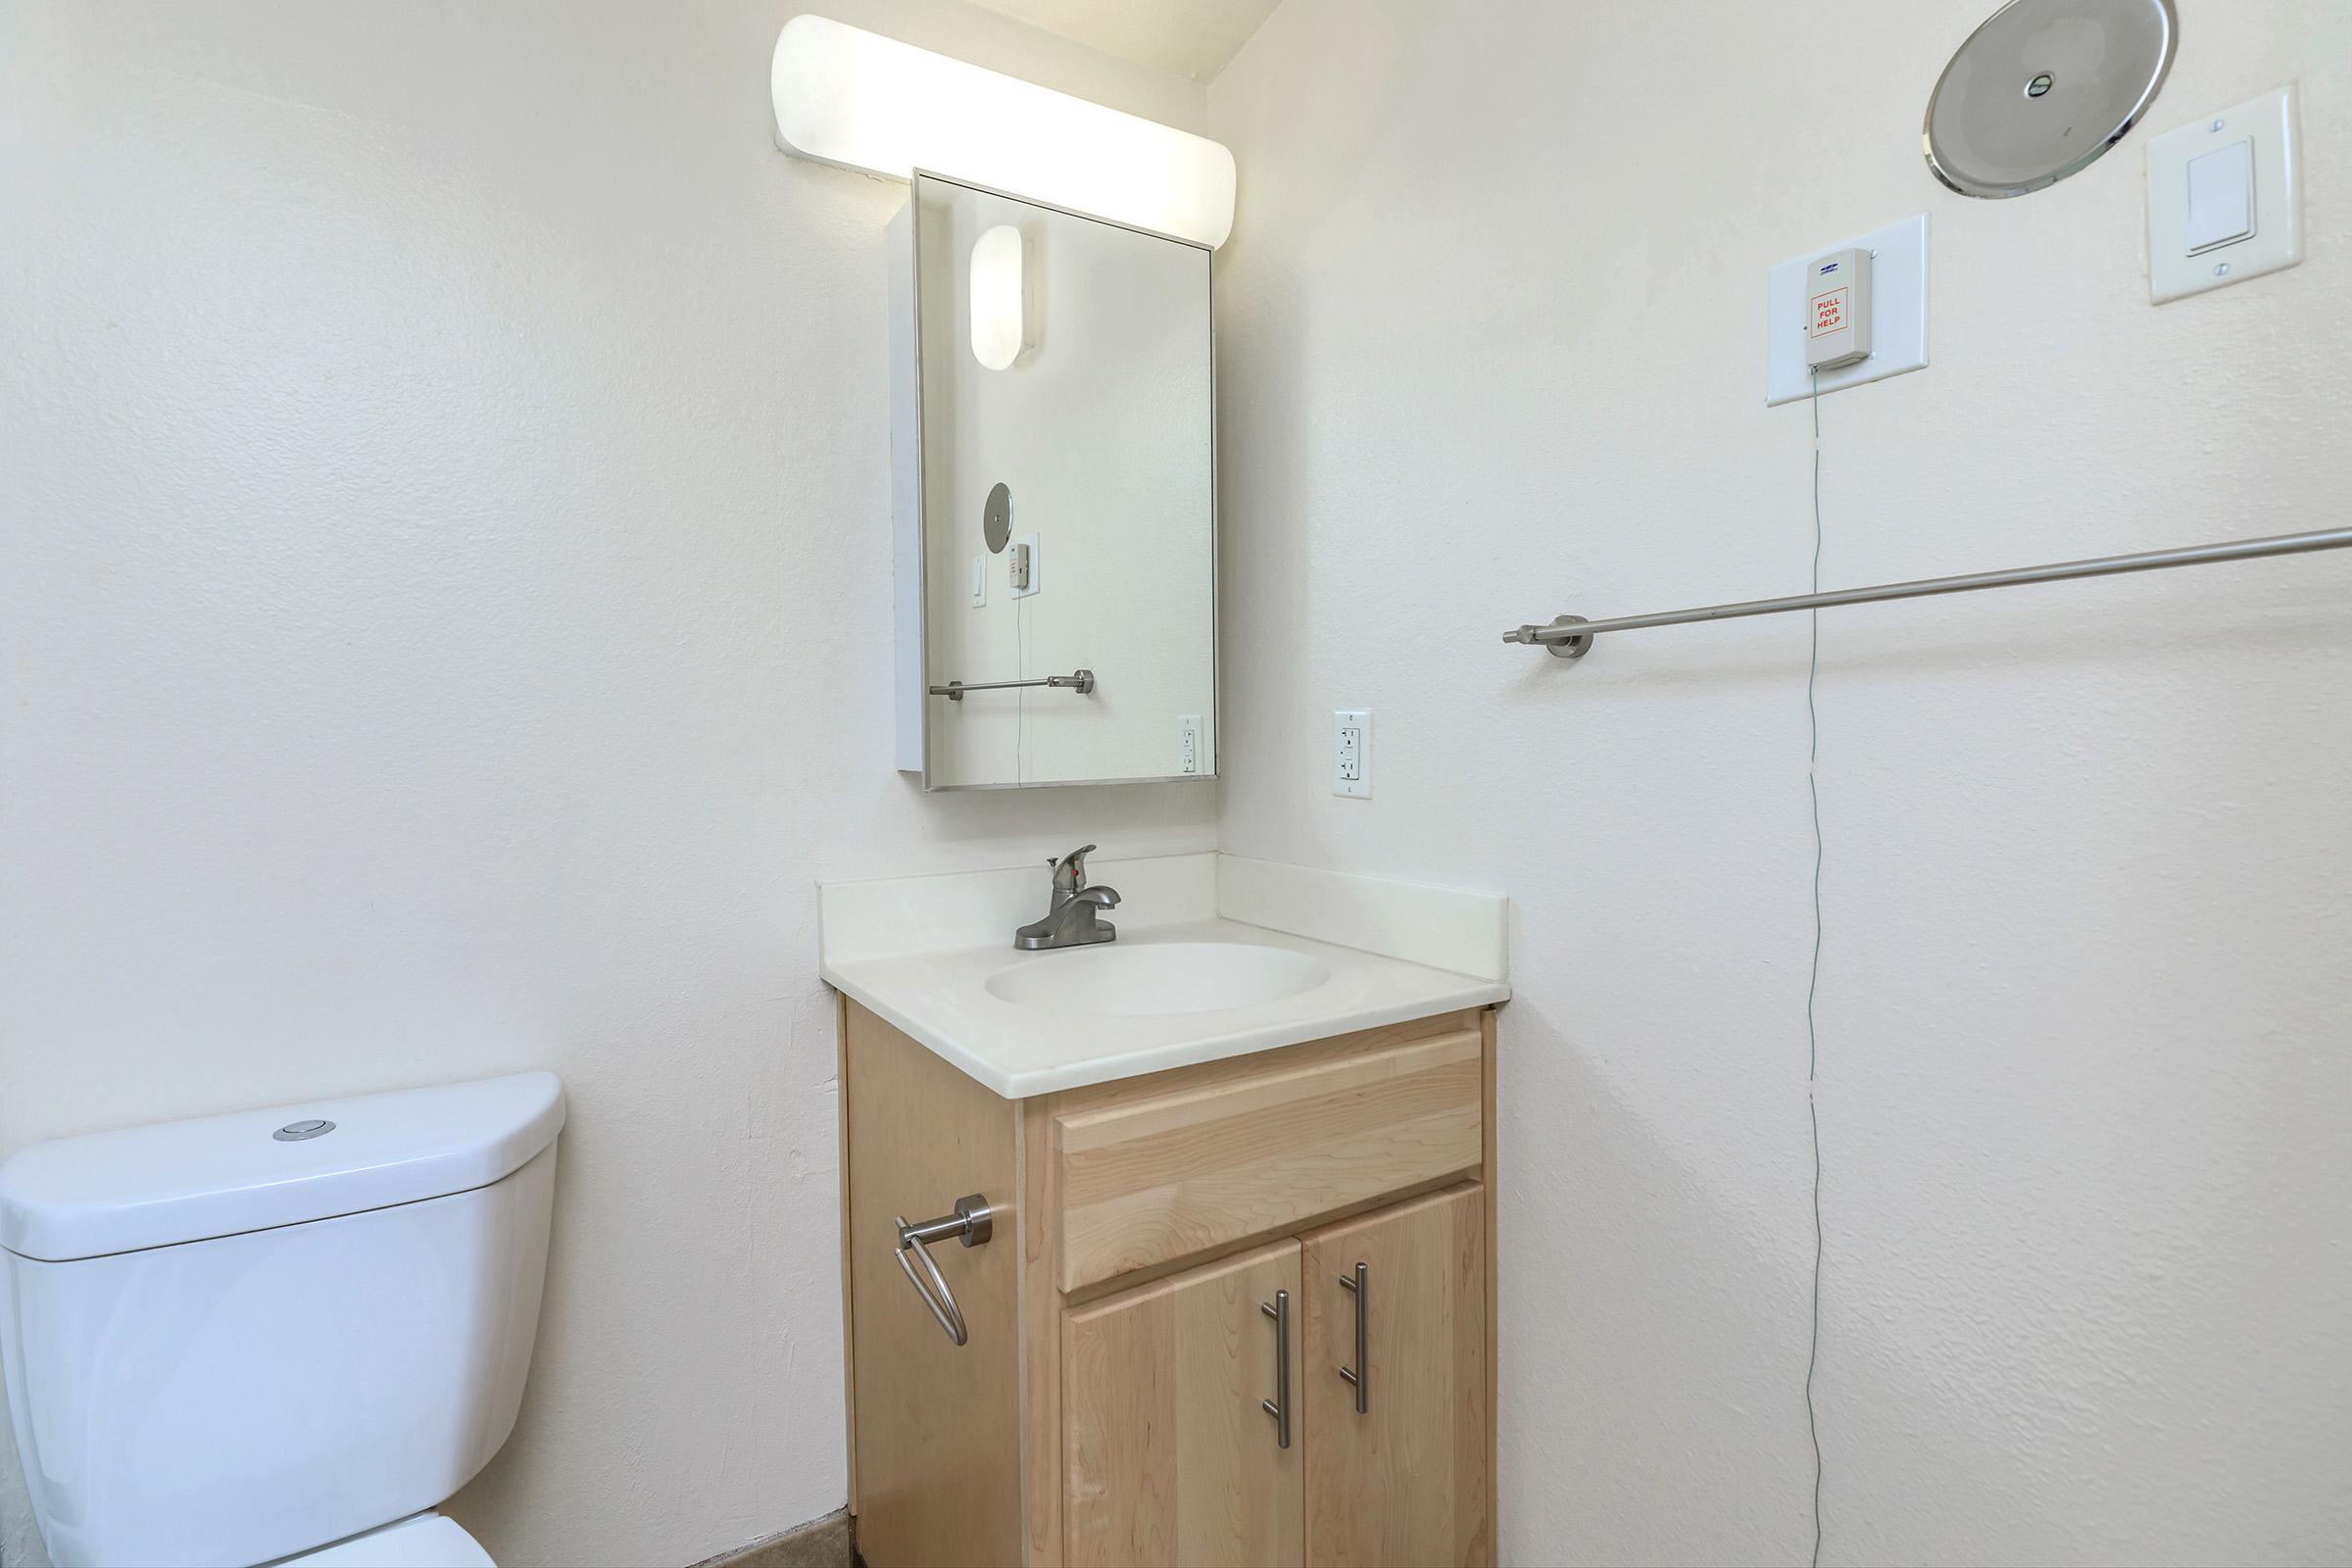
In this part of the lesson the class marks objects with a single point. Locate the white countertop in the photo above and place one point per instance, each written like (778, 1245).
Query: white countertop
(918, 953)
(942, 999)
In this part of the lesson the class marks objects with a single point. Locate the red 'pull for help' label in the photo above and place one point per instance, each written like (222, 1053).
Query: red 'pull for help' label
(1829, 313)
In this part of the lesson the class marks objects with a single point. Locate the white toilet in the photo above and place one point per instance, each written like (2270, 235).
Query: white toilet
(277, 1336)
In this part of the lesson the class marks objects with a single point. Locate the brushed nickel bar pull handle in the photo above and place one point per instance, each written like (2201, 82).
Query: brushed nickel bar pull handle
(1360, 1374)
(971, 1224)
(1279, 1407)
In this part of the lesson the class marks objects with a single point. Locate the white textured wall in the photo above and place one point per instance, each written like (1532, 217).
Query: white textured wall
(1491, 350)
(445, 629)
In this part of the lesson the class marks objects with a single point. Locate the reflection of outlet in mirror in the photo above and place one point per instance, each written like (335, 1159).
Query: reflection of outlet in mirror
(1188, 743)
(1026, 566)
(979, 582)
(1351, 752)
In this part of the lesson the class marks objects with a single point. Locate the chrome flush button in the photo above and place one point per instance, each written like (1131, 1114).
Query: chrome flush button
(294, 1132)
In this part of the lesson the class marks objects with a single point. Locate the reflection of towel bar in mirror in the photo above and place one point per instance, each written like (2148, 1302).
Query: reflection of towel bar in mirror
(1123, 373)
(1081, 679)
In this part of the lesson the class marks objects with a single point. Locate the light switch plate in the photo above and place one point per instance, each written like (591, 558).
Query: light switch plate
(1351, 752)
(2269, 122)
(979, 595)
(1898, 314)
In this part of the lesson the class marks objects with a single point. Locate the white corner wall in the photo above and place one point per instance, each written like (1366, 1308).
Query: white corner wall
(1489, 350)
(445, 629)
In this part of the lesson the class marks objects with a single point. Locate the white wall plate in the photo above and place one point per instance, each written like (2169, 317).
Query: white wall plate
(1899, 288)
(2269, 122)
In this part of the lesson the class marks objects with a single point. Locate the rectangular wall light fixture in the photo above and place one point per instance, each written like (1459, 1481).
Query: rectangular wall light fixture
(850, 97)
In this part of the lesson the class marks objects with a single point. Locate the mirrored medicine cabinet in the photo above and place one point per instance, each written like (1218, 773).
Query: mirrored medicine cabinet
(1054, 495)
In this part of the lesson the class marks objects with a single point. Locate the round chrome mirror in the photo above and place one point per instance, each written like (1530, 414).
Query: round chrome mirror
(996, 519)
(2042, 88)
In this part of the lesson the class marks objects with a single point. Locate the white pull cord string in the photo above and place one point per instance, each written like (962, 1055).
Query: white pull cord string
(1813, 985)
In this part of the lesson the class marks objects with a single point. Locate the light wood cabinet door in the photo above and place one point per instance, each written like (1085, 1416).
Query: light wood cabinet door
(1169, 1456)
(1404, 1480)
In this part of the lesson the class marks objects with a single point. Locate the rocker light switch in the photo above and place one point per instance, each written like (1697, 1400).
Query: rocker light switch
(2220, 196)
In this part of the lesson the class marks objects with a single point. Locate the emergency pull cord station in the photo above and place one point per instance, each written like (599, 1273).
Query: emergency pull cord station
(1838, 310)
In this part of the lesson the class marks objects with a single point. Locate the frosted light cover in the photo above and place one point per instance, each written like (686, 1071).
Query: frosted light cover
(999, 325)
(850, 97)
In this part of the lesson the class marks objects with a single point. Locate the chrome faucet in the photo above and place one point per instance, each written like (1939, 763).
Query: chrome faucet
(1074, 918)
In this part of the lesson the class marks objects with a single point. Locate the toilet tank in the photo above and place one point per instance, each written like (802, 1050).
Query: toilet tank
(232, 1340)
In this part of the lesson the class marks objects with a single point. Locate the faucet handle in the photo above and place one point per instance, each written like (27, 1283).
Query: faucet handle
(1069, 870)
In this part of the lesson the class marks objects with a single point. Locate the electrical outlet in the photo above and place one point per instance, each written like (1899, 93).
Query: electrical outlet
(1351, 752)
(1188, 743)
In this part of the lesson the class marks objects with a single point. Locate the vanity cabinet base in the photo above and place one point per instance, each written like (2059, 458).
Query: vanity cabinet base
(1161, 1364)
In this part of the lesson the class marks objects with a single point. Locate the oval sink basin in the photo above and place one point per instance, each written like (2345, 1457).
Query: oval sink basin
(1158, 978)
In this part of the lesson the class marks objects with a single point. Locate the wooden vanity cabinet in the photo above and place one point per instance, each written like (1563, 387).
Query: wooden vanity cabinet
(1161, 1302)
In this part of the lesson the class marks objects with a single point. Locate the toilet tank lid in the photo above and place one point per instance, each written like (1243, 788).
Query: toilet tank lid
(189, 1181)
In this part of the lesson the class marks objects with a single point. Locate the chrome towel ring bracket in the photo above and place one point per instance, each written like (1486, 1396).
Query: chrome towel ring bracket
(973, 1223)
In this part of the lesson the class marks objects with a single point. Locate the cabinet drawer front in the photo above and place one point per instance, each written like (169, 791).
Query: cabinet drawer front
(1166, 1177)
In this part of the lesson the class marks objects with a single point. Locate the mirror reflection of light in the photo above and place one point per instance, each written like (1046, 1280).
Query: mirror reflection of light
(999, 325)
(847, 96)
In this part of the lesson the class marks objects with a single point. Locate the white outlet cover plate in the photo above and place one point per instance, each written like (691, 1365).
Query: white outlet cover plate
(1898, 314)
(2278, 238)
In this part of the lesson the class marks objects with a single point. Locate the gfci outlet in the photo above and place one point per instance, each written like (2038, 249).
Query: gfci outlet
(1188, 743)
(1351, 752)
